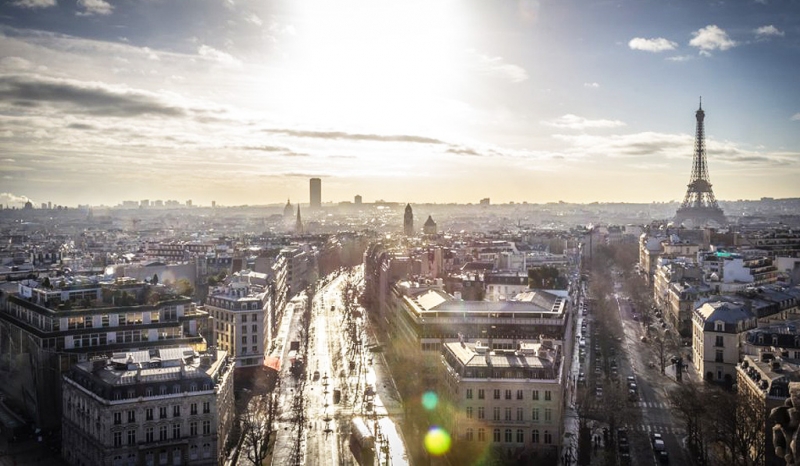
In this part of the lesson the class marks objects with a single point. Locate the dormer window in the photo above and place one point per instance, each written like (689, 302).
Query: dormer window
(719, 326)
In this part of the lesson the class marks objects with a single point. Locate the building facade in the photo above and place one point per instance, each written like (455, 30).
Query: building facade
(238, 313)
(511, 399)
(169, 406)
(55, 325)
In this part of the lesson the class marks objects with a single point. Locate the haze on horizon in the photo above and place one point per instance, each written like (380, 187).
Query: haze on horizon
(242, 102)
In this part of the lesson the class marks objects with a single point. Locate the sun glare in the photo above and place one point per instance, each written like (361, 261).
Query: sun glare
(382, 66)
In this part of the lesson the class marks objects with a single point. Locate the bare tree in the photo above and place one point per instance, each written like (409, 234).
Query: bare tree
(257, 427)
(691, 405)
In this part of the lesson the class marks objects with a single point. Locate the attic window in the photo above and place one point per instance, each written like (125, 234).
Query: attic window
(719, 326)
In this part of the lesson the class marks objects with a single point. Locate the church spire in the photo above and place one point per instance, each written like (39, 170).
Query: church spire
(298, 226)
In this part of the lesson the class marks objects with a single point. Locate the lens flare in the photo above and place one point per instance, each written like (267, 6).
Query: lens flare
(437, 441)
(429, 400)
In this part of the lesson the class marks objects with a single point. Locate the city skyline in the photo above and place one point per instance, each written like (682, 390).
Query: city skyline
(533, 101)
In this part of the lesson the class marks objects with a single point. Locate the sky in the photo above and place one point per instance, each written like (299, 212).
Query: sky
(242, 101)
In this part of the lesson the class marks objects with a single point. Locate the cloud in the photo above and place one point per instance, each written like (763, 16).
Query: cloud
(768, 31)
(277, 149)
(82, 97)
(463, 151)
(95, 7)
(34, 3)
(656, 45)
(218, 56)
(795, 117)
(498, 67)
(81, 126)
(711, 38)
(591, 85)
(356, 136)
(681, 58)
(575, 122)
(252, 18)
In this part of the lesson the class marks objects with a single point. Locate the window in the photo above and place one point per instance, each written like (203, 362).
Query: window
(193, 409)
(519, 414)
(176, 410)
(548, 438)
(469, 412)
(508, 394)
(469, 393)
(254, 328)
(117, 439)
(470, 433)
(508, 435)
(496, 435)
(162, 432)
(720, 341)
(244, 339)
(255, 349)
(148, 414)
(162, 390)
(496, 393)
(131, 437)
(535, 415)
(535, 395)
(520, 436)
(131, 415)
(206, 407)
(244, 328)
(148, 435)
(519, 394)
(547, 395)
(481, 434)
(254, 317)
(206, 427)
(508, 414)
(162, 412)
(176, 431)
(117, 418)
(481, 394)
(719, 356)
(496, 413)
(193, 429)
(481, 413)
(535, 436)
(548, 415)
(719, 326)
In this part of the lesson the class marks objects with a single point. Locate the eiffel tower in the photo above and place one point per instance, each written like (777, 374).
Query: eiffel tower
(699, 207)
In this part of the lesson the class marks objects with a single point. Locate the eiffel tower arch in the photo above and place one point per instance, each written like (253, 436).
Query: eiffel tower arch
(699, 206)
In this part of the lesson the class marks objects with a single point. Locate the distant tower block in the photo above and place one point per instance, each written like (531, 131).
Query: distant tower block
(315, 186)
(408, 221)
(357, 199)
(699, 207)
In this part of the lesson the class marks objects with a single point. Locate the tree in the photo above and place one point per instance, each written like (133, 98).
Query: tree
(154, 281)
(184, 287)
(257, 427)
(691, 404)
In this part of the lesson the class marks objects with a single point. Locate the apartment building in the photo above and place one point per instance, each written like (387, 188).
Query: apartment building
(238, 312)
(159, 406)
(47, 326)
(511, 399)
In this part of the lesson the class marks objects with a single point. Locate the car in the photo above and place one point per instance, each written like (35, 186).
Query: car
(644, 339)
(316, 375)
(657, 436)
(631, 379)
(582, 343)
(632, 395)
(599, 392)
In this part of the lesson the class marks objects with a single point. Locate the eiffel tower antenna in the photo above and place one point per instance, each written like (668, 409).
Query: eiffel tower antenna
(699, 205)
